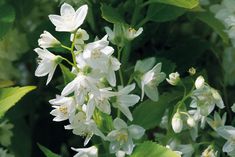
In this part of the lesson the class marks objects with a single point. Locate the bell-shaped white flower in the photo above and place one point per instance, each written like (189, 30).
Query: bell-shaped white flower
(121, 138)
(86, 152)
(69, 19)
(46, 40)
(124, 100)
(199, 83)
(47, 63)
(64, 107)
(177, 123)
(83, 126)
(150, 81)
(81, 85)
(205, 98)
(209, 152)
(98, 56)
(174, 78)
(228, 132)
(80, 36)
(131, 33)
(217, 121)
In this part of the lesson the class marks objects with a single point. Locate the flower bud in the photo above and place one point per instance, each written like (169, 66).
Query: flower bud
(192, 71)
(174, 78)
(177, 123)
(191, 122)
(46, 40)
(199, 83)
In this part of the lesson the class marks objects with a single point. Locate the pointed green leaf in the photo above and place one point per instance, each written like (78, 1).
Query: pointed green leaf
(111, 14)
(10, 96)
(155, 110)
(151, 149)
(67, 74)
(47, 152)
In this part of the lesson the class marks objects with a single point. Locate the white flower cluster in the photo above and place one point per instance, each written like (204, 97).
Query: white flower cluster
(94, 87)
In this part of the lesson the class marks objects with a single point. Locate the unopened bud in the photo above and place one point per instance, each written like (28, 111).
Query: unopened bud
(199, 83)
(174, 78)
(177, 123)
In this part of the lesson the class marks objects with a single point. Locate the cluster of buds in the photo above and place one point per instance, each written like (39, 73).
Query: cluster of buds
(93, 88)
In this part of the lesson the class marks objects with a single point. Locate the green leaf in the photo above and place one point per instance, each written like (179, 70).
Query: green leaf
(47, 152)
(189, 4)
(151, 149)
(7, 17)
(155, 110)
(6, 83)
(10, 96)
(209, 19)
(67, 74)
(111, 14)
(103, 121)
(164, 13)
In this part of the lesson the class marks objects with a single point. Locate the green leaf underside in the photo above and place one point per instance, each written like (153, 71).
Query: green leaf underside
(47, 152)
(189, 4)
(10, 96)
(151, 149)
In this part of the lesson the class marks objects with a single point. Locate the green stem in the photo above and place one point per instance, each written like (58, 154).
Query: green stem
(120, 71)
(72, 51)
(65, 47)
(130, 79)
(142, 22)
(65, 59)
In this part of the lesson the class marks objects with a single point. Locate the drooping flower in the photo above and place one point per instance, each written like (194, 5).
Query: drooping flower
(64, 107)
(86, 152)
(69, 19)
(199, 83)
(177, 123)
(47, 63)
(174, 78)
(124, 100)
(46, 40)
(228, 133)
(150, 81)
(121, 137)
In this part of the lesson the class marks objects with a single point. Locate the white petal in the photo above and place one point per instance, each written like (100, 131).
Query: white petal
(125, 110)
(114, 147)
(90, 108)
(81, 15)
(69, 88)
(128, 146)
(119, 124)
(136, 131)
(66, 9)
(129, 100)
(111, 77)
(50, 75)
(56, 20)
(127, 89)
(151, 92)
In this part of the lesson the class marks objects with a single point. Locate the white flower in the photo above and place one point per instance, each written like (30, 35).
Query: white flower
(191, 122)
(6, 133)
(177, 123)
(46, 40)
(84, 127)
(120, 153)
(228, 132)
(81, 85)
(218, 121)
(64, 107)
(150, 81)
(121, 137)
(131, 33)
(98, 56)
(199, 83)
(209, 152)
(86, 152)
(80, 37)
(124, 100)
(205, 98)
(174, 78)
(69, 20)
(47, 63)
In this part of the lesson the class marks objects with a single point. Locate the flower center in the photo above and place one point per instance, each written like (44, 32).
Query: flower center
(95, 54)
(63, 109)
